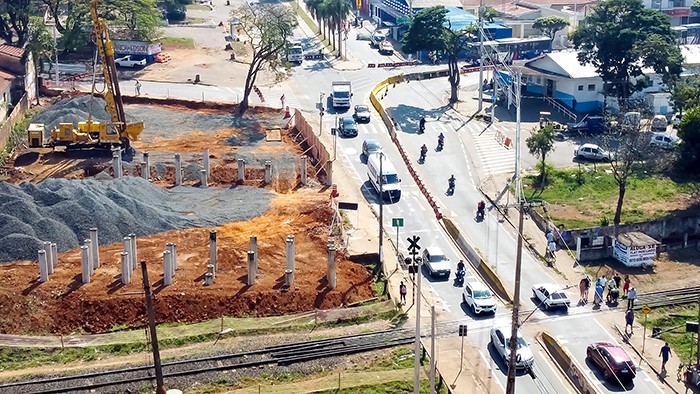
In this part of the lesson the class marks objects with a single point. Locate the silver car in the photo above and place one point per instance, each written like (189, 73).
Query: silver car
(591, 152)
(523, 356)
(436, 262)
(370, 146)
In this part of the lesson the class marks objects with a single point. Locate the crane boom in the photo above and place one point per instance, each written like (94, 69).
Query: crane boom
(113, 97)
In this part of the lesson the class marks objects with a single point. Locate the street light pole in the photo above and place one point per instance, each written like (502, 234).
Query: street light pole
(381, 210)
(510, 386)
(481, 56)
(320, 112)
(160, 386)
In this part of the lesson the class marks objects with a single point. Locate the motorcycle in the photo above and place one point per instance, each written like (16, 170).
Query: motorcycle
(423, 152)
(459, 277)
(450, 186)
(480, 213)
(441, 144)
(422, 126)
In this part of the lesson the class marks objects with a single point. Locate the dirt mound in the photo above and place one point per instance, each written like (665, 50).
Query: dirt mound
(65, 305)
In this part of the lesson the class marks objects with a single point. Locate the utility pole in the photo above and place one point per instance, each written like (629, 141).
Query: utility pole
(381, 211)
(433, 351)
(510, 386)
(417, 350)
(481, 55)
(160, 386)
(698, 353)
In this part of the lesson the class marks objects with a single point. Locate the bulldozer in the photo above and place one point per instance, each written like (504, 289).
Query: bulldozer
(91, 134)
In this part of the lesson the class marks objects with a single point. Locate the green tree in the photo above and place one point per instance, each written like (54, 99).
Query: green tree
(620, 37)
(489, 13)
(40, 44)
(14, 21)
(268, 26)
(686, 93)
(431, 31)
(550, 25)
(314, 7)
(540, 143)
(689, 132)
(175, 10)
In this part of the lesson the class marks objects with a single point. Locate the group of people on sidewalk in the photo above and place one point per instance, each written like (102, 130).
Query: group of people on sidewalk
(613, 286)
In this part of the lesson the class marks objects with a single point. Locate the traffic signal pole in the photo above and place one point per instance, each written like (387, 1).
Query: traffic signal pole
(417, 350)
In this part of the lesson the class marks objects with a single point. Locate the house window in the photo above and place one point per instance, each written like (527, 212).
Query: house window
(676, 3)
(656, 4)
(539, 81)
(580, 88)
(591, 87)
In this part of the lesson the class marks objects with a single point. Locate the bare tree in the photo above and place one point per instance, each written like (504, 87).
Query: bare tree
(267, 26)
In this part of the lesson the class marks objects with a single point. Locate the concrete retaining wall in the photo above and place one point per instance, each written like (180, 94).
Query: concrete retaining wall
(566, 364)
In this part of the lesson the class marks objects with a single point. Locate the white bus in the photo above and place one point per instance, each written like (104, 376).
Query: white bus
(295, 52)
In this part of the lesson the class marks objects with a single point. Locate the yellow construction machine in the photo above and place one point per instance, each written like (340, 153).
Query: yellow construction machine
(91, 134)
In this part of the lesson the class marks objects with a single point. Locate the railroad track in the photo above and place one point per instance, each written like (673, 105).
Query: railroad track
(273, 355)
(674, 297)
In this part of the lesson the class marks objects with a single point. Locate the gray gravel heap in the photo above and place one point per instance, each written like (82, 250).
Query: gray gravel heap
(63, 211)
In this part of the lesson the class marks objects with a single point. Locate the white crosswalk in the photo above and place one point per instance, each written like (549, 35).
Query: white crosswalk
(272, 95)
(494, 157)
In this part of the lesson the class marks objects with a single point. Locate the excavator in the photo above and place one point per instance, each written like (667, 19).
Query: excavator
(91, 134)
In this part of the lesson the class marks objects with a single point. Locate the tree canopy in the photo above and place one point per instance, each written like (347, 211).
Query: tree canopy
(489, 13)
(689, 132)
(431, 31)
(267, 26)
(686, 93)
(540, 143)
(14, 21)
(550, 25)
(620, 37)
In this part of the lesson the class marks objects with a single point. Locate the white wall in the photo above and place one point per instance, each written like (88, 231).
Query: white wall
(570, 86)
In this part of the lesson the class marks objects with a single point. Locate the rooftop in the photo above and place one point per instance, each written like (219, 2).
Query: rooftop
(11, 51)
(691, 54)
(563, 63)
(636, 239)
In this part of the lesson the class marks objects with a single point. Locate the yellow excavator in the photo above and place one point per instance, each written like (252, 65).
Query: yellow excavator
(91, 134)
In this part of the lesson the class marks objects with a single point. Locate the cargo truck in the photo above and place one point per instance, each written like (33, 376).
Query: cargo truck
(342, 94)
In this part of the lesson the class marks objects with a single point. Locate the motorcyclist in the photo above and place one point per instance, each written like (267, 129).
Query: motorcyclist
(423, 151)
(480, 207)
(441, 141)
(460, 265)
(451, 182)
(422, 124)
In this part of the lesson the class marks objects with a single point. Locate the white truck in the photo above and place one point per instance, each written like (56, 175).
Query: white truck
(342, 94)
(295, 52)
(129, 61)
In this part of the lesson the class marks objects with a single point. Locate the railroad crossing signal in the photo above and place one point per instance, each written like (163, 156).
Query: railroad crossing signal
(413, 244)
(646, 309)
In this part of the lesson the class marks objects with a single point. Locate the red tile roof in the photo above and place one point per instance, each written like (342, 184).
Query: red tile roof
(11, 51)
(7, 76)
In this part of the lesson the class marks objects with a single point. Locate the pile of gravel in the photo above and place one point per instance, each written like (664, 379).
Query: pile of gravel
(63, 211)
(74, 110)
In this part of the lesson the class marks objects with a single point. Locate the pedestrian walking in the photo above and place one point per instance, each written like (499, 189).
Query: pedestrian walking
(617, 279)
(629, 320)
(631, 296)
(582, 290)
(626, 285)
(403, 290)
(138, 87)
(598, 296)
(665, 354)
(587, 288)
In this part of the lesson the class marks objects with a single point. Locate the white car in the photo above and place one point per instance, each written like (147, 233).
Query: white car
(591, 152)
(664, 140)
(479, 298)
(523, 356)
(129, 61)
(370, 146)
(436, 262)
(362, 113)
(551, 295)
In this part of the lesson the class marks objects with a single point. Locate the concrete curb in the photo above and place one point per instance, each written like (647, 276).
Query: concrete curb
(566, 364)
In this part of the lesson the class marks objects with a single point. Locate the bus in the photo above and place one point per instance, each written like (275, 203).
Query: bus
(295, 52)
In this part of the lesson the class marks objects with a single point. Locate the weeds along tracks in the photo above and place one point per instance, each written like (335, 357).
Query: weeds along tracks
(673, 297)
(274, 355)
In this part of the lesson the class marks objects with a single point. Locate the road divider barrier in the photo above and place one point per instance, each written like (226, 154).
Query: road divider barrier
(566, 364)
(313, 57)
(392, 64)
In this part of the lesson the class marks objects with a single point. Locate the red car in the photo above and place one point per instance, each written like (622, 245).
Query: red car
(613, 360)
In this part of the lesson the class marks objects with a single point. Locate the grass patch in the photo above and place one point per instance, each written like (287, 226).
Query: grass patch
(593, 192)
(403, 386)
(177, 43)
(682, 343)
(194, 21)
(18, 133)
(197, 7)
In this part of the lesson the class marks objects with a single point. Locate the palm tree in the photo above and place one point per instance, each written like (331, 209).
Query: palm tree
(338, 11)
(314, 8)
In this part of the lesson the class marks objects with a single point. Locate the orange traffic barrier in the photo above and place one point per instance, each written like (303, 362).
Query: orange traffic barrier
(507, 143)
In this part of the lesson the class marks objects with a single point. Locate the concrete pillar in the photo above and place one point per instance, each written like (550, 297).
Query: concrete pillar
(178, 170)
(127, 250)
(289, 278)
(167, 269)
(95, 248)
(331, 266)
(203, 178)
(43, 266)
(212, 250)
(85, 263)
(54, 255)
(254, 249)
(144, 170)
(49, 257)
(303, 170)
(88, 243)
(290, 252)
(578, 249)
(174, 254)
(132, 252)
(171, 248)
(126, 268)
(205, 156)
(241, 170)
(329, 173)
(147, 160)
(251, 268)
(268, 171)
(116, 164)
(208, 279)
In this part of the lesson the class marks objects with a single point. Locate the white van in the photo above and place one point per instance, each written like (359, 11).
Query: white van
(390, 179)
